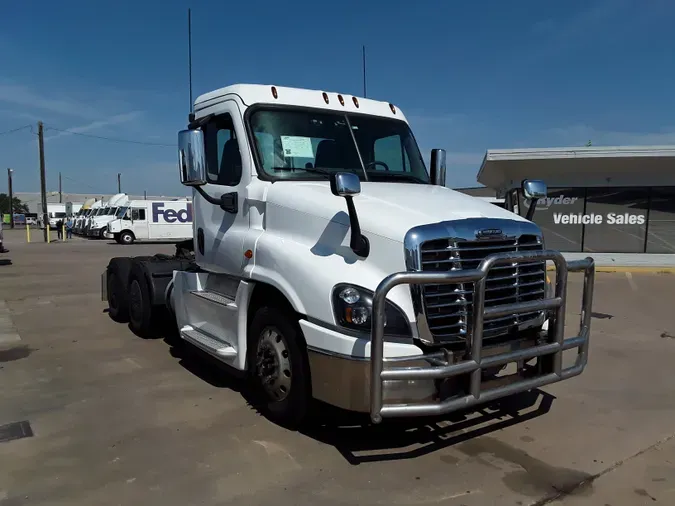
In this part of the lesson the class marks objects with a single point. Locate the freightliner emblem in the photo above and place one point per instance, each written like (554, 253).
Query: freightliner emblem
(489, 233)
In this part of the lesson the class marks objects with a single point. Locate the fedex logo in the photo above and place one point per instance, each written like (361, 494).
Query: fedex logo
(171, 215)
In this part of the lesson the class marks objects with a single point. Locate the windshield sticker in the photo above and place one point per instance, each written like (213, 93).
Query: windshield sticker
(300, 147)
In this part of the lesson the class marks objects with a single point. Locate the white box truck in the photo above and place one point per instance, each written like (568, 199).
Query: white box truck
(55, 212)
(329, 263)
(152, 220)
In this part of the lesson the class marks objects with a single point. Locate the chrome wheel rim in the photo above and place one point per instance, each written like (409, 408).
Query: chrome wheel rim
(273, 366)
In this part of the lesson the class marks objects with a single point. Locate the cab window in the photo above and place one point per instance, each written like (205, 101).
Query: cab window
(138, 214)
(223, 158)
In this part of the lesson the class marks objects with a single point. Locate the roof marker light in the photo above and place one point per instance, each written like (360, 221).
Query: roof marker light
(393, 109)
(342, 100)
(274, 92)
(325, 97)
(356, 102)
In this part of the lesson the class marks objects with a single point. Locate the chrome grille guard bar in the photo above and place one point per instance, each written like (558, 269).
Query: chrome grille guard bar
(555, 345)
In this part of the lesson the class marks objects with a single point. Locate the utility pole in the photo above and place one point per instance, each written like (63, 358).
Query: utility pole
(43, 179)
(145, 195)
(364, 72)
(11, 198)
(60, 193)
(119, 183)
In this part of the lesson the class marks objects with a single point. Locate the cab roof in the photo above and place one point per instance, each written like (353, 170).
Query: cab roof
(251, 94)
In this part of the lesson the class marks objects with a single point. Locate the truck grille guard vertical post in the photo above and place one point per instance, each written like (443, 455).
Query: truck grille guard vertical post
(476, 363)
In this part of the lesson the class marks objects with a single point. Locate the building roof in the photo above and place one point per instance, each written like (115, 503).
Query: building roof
(251, 94)
(580, 166)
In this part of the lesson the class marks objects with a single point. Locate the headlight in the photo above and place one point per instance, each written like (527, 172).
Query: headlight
(353, 309)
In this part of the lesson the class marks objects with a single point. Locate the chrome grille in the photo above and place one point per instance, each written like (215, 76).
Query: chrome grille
(448, 308)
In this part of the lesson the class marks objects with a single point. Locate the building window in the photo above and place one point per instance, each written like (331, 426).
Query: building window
(617, 220)
(661, 227)
(559, 216)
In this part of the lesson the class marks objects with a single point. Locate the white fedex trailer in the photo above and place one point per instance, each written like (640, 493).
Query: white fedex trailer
(152, 220)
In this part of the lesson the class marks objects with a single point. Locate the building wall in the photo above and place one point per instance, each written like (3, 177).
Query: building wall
(33, 199)
(628, 219)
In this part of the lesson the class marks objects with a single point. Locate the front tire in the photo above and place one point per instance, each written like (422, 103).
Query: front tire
(279, 367)
(126, 237)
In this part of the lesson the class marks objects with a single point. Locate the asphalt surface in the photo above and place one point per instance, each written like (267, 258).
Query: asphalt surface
(109, 418)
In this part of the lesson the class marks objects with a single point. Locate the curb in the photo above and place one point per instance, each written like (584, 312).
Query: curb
(636, 269)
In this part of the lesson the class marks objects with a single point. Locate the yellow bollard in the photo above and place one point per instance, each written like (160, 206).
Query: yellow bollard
(63, 232)
(27, 232)
(49, 239)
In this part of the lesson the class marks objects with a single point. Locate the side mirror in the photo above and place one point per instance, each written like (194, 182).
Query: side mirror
(437, 169)
(534, 189)
(345, 184)
(191, 157)
(348, 184)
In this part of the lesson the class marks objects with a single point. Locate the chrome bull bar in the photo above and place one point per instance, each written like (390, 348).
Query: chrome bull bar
(476, 363)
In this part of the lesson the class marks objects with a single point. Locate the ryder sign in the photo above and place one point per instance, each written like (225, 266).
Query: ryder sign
(162, 214)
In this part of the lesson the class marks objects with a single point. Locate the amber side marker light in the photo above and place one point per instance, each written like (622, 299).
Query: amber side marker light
(342, 100)
(325, 97)
(248, 254)
(356, 102)
(274, 92)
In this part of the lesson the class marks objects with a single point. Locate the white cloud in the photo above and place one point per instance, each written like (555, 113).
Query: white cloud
(94, 125)
(24, 97)
(579, 135)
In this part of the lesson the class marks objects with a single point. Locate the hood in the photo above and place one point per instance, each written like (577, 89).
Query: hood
(385, 209)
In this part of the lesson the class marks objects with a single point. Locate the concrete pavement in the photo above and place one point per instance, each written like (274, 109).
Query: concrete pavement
(110, 418)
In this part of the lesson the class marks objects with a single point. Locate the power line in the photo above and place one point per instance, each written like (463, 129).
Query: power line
(15, 129)
(113, 139)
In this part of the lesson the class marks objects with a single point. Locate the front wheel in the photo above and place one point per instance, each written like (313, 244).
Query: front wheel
(279, 367)
(126, 237)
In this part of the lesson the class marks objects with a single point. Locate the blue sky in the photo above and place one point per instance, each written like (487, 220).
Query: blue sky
(469, 75)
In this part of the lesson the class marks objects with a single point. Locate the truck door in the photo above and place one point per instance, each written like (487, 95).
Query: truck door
(139, 223)
(219, 234)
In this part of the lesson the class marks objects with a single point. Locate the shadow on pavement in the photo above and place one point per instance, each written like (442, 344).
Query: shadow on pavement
(358, 441)
(352, 434)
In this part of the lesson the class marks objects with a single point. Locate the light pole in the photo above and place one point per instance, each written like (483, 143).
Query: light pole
(11, 197)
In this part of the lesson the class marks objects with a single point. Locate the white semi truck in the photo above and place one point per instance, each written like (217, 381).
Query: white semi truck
(99, 223)
(328, 263)
(152, 220)
(82, 215)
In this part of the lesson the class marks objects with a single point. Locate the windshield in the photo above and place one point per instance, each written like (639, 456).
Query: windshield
(292, 142)
(121, 211)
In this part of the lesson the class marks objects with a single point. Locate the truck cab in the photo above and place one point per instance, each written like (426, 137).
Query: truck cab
(99, 223)
(331, 264)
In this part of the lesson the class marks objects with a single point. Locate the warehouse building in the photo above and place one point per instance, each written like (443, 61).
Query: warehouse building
(33, 200)
(600, 199)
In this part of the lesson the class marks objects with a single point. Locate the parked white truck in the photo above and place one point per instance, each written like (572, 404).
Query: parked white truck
(99, 223)
(152, 220)
(96, 208)
(82, 215)
(55, 212)
(328, 263)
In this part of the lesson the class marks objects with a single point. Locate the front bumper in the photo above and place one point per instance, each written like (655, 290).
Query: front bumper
(548, 353)
(423, 384)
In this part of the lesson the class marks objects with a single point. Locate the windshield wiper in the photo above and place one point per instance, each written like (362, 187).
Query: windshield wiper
(312, 170)
(394, 175)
